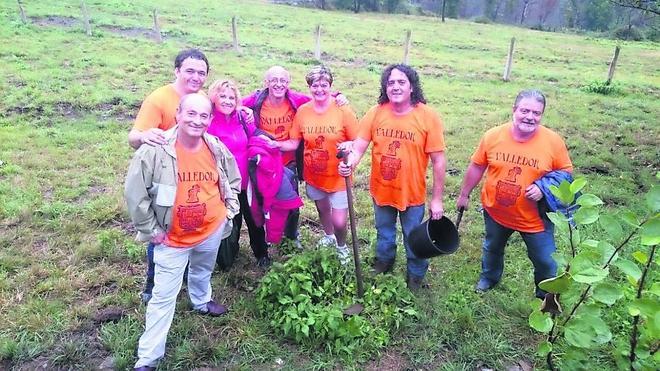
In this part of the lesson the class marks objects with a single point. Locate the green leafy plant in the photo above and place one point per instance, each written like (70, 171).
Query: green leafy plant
(598, 276)
(603, 88)
(305, 298)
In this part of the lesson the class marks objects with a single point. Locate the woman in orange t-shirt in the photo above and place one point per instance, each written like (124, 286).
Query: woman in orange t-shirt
(325, 128)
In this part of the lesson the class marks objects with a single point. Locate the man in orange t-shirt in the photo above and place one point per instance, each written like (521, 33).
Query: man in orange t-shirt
(157, 114)
(405, 133)
(180, 195)
(159, 108)
(513, 156)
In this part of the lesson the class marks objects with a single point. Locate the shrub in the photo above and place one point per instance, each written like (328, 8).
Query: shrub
(482, 19)
(625, 33)
(601, 87)
(305, 298)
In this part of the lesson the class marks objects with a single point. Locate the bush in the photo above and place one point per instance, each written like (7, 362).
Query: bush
(482, 19)
(305, 298)
(625, 33)
(601, 87)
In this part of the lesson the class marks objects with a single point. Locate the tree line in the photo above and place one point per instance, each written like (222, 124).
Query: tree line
(624, 19)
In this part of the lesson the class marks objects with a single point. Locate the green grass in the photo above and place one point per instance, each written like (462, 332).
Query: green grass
(66, 243)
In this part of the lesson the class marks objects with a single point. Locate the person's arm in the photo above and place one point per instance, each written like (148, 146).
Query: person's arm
(359, 147)
(472, 177)
(287, 145)
(138, 201)
(439, 162)
(152, 137)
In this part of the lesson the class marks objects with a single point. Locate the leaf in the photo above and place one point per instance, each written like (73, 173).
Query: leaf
(556, 285)
(559, 220)
(587, 332)
(629, 268)
(630, 218)
(578, 184)
(611, 226)
(540, 322)
(544, 348)
(640, 256)
(655, 289)
(585, 215)
(605, 249)
(563, 192)
(591, 275)
(650, 234)
(645, 306)
(589, 200)
(653, 199)
(607, 293)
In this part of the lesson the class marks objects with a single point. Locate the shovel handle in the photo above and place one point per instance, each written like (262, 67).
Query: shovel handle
(460, 216)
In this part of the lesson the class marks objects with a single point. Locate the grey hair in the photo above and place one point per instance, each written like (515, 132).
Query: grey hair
(530, 93)
(317, 73)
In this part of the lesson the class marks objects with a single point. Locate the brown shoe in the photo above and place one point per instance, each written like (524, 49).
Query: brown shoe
(382, 267)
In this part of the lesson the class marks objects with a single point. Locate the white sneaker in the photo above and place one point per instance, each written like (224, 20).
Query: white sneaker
(344, 254)
(327, 241)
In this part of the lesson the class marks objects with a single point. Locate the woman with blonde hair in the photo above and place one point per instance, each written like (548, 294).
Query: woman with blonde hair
(231, 126)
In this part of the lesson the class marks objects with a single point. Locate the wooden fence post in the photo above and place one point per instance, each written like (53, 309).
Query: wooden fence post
(159, 36)
(234, 33)
(317, 49)
(509, 61)
(85, 14)
(610, 72)
(406, 50)
(22, 11)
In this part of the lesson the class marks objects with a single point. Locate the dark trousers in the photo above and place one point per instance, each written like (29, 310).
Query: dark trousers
(257, 236)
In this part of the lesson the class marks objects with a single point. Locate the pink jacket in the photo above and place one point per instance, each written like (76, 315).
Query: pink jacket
(273, 194)
(234, 135)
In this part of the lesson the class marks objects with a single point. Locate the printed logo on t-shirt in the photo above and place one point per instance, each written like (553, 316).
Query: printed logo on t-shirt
(389, 163)
(318, 158)
(191, 216)
(507, 190)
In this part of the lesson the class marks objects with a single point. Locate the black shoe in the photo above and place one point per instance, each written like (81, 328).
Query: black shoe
(483, 286)
(264, 262)
(416, 283)
(382, 267)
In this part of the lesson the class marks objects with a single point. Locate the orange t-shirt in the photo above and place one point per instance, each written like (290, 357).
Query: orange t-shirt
(198, 208)
(321, 133)
(277, 121)
(511, 167)
(400, 153)
(158, 110)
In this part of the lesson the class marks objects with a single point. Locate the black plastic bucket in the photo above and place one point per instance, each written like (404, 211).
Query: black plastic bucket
(435, 237)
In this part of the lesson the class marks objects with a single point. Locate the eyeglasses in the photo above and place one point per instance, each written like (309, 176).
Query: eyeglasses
(275, 80)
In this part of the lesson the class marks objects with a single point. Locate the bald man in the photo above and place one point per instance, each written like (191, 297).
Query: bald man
(181, 197)
(274, 108)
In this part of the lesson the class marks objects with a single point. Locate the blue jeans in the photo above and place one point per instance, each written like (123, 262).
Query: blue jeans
(540, 247)
(386, 236)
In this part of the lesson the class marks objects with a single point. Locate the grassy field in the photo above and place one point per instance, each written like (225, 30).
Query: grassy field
(70, 272)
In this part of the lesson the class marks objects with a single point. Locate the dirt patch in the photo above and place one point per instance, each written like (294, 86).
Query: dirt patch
(392, 360)
(110, 314)
(132, 32)
(68, 110)
(54, 20)
(596, 169)
(443, 70)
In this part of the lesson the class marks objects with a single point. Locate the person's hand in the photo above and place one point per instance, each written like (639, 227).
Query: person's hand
(158, 236)
(533, 192)
(341, 99)
(153, 137)
(462, 202)
(437, 209)
(271, 143)
(345, 146)
(248, 114)
(345, 168)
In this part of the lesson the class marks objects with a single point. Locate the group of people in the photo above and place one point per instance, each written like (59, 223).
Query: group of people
(192, 180)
